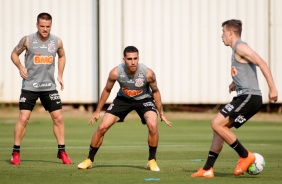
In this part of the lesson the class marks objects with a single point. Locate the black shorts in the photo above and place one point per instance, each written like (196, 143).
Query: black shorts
(122, 106)
(242, 108)
(50, 100)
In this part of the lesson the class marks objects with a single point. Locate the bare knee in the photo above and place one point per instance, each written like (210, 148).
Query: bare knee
(153, 129)
(102, 130)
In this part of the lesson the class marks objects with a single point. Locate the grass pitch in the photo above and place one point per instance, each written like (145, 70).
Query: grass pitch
(122, 158)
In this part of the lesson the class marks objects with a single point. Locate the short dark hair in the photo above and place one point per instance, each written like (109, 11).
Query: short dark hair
(130, 49)
(44, 16)
(234, 23)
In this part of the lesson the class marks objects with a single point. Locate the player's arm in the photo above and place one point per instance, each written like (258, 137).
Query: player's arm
(245, 52)
(22, 45)
(105, 94)
(151, 78)
(61, 62)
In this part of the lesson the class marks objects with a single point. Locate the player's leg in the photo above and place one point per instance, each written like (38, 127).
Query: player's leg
(19, 132)
(97, 139)
(26, 105)
(151, 119)
(117, 111)
(215, 149)
(239, 111)
(52, 102)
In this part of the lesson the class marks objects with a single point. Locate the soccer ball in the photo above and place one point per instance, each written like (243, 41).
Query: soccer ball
(256, 167)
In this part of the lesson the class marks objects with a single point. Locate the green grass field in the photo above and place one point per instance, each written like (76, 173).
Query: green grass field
(123, 155)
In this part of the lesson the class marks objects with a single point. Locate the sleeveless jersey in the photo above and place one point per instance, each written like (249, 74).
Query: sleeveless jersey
(133, 88)
(40, 63)
(244, 75)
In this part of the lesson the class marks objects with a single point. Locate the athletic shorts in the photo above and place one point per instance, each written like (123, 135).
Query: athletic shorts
(242, 108)
(50, 100)
(122, 106)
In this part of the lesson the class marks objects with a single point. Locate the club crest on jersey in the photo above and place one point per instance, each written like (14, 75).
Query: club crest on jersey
(51, 47)
(139, 82)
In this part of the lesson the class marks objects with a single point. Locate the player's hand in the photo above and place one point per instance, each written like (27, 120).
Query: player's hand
(232, 87)
(60, 80)
(23, 72)
(163, 118)
(94, 118)
(273, 95)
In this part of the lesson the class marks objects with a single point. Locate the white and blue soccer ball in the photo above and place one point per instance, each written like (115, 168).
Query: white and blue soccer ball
(257, 166)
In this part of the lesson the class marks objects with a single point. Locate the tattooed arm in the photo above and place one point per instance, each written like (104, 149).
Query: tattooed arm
(151, 78)
(16, 59)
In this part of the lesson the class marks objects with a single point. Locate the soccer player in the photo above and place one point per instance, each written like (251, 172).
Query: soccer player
(38, 82)
(246, 104)
(138, 91)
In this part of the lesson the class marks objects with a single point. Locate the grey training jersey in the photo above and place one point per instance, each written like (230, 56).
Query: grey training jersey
(244, 75)
(134, 88)
(40, 63)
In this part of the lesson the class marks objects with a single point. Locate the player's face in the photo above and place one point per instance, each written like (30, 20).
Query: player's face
(131, 61)
(44, 28)
(225, 36)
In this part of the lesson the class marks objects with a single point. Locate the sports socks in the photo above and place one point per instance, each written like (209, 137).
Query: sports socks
(61, 148)
(211, 160)
(152, 152)
(16, 148)
(239, 148)
(92, 153)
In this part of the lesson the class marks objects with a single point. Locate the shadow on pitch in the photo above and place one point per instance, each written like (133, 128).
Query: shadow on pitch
(117, 166)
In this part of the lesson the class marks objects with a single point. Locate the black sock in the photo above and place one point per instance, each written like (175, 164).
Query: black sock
(92, 153)
(211, 160)
(16, 148)
(152, 152)
(239, 148)
(61, 148)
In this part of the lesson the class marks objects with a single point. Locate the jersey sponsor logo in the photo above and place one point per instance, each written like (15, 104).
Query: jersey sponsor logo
(139, 82)
(110, 107)
(132, 92)
(141, 75)
(233, 71)
(42, 85)
(229, 107)
(149, 104)
(43, 46)
(43, 60)
(131, 81)
(240, 119)
(22, 99)
(54, 96)
(34, 41)
(51, 48)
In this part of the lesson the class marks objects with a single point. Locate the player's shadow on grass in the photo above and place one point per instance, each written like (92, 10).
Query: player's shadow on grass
(116, 166)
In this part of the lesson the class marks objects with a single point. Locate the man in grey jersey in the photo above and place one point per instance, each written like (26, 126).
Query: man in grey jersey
(246, 104)
(39, 82)
(138, 91)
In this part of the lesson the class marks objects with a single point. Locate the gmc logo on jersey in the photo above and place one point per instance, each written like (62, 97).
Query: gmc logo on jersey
(43, 60)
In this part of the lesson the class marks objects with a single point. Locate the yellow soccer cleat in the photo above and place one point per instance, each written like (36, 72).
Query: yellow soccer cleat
(86, 164)
(152, 165)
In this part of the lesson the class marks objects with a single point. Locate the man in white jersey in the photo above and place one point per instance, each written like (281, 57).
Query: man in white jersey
(38, 82)
(246, 104)
(139, 92)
